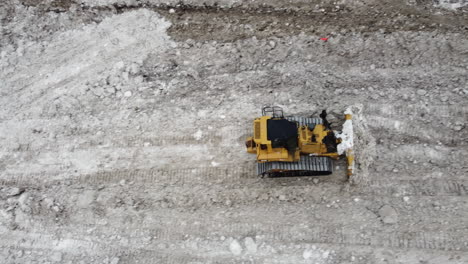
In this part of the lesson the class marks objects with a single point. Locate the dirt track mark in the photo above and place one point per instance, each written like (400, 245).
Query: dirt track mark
(245, 174)
(326, 234)
(412, 110)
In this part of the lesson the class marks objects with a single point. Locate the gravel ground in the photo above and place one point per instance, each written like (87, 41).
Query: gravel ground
(122, 129)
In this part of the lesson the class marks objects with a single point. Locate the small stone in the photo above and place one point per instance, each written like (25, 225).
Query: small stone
(458, 126)
(14, 191)
(119, 65)
(388, 214)
(128, 94)
(315, 181)
(48, 202)
(24, 202)
(307, 254)
(282, 197)
(56, 257)
(98, 91)
(134, 68)
(421, 92)
(198, 135)
(111, 90)
(125, 75)
(263, 197)
(171, 11)
(85, 199)
(406, 199)
(115, 260)
(250, 245)
(122, 182)
(272, 44)
(235, 247)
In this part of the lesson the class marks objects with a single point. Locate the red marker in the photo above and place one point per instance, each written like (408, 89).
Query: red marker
(324, 39)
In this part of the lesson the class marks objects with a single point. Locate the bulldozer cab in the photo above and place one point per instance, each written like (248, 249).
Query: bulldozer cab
(282, 134)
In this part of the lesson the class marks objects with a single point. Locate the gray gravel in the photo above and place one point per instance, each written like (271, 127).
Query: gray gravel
(123, 123)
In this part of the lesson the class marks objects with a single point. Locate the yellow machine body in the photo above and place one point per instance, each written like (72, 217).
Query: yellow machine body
(317, 140)
(262, 146)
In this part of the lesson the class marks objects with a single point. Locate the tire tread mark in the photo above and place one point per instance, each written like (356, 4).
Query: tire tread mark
(211, 137)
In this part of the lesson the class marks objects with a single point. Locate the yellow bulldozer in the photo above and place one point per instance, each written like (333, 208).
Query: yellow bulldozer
(299, 146)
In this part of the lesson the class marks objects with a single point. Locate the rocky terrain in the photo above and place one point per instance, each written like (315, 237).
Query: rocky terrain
(122, 129)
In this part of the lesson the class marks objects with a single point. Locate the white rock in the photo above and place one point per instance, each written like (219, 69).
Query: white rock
(134, 68)
(98, 91)
(406, 198)
(13, 191)
(250, 245)
(198, 135)
(24, 202)
(125, 75)
(85, 199)
(458, 126)
(119, 65)
(48, 202)
(272, 44)
(128, 94)
(309, 253)
(111, 90)
(171, 11)
(388, 214)
(421, 92)
(56, 256)
(315, 181)
(115, 260)
(235, 248)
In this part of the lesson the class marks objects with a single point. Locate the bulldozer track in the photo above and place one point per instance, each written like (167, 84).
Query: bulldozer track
(386, 110)
(307, 166)
(242, 175)
(419, 187)
(379, 116)
(322, 233)
(402, 111)
(211, 137)
(92, 247)
(179, 176)
(404, 128)
(126, 255)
